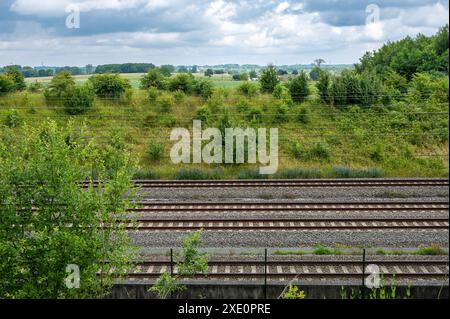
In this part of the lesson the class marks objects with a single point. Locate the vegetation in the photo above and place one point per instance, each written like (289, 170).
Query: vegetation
(51, 160)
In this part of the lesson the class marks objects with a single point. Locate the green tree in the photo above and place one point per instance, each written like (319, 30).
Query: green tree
(58, 86)
(48, 222)
(78, 99)
(323, 86)
(6, 84)
(183, 82)
(315, 73)
(167, 69)
(17, 77)
(153, 78)
(209, 73)
(298, 87)
(269, 79)
(109, 85)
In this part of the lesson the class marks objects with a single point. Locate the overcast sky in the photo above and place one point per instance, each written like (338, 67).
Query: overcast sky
(208, 32)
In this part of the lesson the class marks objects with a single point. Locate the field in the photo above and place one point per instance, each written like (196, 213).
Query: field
(324, 142)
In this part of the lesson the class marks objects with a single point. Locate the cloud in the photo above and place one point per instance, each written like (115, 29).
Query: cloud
(204, 31)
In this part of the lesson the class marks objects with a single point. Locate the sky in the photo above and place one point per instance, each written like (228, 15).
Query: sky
(36, 32)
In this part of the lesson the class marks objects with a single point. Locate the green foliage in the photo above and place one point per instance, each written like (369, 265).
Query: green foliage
(183, 82)
(196, 174)
(58, 86)
(153, 94)
(155, 151)
(269, 79)
(209, 73)
(166, 103)
(154, 78)
(315, 73)
(78, 99)
(431, 250)
(203, 88)
(279, 91)
(34, 87)
(409, 56)
(51, 161)
(203, 114)
(13, 119)
(293, 292)
(109, 85)
(248, 89)
(347, 172)
(251, 174)
(6, 84)
(16, 77)
(323, 86)
(298, 87)
(190, 260)
(166, 285)
(304, 115)
(321, 250)
(294, 173)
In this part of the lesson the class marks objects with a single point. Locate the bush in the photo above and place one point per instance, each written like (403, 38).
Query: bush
(251, 174)
(155, 151)
(166, 103)
(281, 113)
(304, 115)
(16, 77)
(203, 88)
(154, 78)
(197, 174)
(153, 94)
(6, 84)
(248, 89)
(203, 114)
(298, 87)
(269, 79)
(13, 119)
(323, 86)
(109, 85)
(255, 114)
(58, 86)
(35, 87)
(279, 91)
(183, 82)
(78, 99)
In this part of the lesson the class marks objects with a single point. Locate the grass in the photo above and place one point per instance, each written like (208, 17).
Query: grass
(339, 141)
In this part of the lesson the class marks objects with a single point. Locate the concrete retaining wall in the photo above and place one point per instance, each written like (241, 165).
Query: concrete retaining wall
(253, 291)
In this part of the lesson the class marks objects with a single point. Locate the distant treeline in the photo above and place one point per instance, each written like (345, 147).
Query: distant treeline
(41, 71)
(125, 68)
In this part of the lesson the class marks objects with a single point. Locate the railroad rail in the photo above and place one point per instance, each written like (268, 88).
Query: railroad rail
(412, 182)
(284, 224)
(303, 269)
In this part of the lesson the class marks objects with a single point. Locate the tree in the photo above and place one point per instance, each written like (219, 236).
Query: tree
(298, 87)
(59, 84)
(17, 77)
(319, 62)
(183, 82)
(6, 84)
(295, 72)
(269, 79)
(315, 72)
(183, 69)
(78, 99)
(109, 85)
(153, 78)
(243, 77)
(50, 227)
(253, 75)
(89, 69)
(209, 73)
(203, 88)
(323, 86)
(194, 69)
(282, 72)
(167, 69)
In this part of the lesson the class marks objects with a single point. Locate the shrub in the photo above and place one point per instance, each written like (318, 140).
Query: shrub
(279, 91)
(248, 89)
(203, 88)
(281, 113)
(16, 77)
(153, 94)
(320, 151)
(323, 86)
(13, 119)
(347, 172)
(183, 82)
(144, 174)
(432, 250)
(109, 85)
(203, 114)
(78, 99)
(153, 79)
(34, 87)
(166, 103)
(254, 114)
(155, 151)
(268, 79)
(304, 115)
(6, 84)
(298, 87)
(293, 292)
(58, 86)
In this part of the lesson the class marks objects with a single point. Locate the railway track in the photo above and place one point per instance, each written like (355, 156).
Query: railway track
(303, 269)
(417, 182)
(142, 218)
(155, 225)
